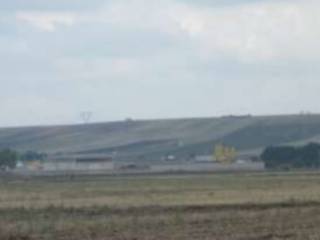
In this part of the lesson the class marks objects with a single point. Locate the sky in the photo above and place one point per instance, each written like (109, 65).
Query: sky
(156, 59)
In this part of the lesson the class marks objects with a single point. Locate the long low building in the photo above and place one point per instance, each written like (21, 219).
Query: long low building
(71, 163)
(78, 165)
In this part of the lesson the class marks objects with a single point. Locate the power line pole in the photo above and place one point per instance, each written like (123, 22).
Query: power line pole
(86, 116)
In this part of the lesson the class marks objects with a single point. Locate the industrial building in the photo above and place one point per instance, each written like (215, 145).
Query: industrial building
(83, 162)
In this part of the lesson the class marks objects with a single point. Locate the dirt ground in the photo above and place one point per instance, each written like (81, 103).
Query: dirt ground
(225, 206)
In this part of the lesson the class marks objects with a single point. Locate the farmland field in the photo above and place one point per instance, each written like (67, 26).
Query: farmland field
(195, 206)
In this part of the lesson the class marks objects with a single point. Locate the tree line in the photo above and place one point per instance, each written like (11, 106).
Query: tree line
(292, 157)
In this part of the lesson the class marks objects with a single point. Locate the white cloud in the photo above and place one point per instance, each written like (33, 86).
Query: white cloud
(263, 31)
(260, 31)
(46, 21)
(136, 14)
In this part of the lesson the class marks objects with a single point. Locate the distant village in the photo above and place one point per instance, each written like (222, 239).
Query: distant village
(223, 159)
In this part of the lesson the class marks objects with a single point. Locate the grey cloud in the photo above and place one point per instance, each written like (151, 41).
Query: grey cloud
(220, 3)
(84, 5)
(140, 70)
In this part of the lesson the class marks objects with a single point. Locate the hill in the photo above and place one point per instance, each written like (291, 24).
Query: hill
(154, 138)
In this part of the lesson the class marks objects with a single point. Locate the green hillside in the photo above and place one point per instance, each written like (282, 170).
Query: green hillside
(146, 139)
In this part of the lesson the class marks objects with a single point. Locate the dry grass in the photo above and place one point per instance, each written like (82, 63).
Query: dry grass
(225, 206)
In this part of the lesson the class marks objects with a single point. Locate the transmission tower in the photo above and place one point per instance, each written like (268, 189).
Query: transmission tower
(86, 116)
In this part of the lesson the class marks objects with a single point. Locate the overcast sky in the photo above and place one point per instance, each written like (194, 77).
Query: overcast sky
(156, 59)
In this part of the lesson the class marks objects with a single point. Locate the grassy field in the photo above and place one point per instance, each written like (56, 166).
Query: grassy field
(208, 206)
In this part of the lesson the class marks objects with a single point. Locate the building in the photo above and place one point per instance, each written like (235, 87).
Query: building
(204, 159)
(85, 162)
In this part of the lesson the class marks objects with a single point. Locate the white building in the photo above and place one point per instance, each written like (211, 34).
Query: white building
(78, 163)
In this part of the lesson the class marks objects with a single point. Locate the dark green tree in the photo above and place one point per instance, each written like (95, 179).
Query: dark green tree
(32, 155)
(287, 157)
(8, 159)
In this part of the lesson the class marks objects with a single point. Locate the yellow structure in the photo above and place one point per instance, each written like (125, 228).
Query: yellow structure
(224, 154)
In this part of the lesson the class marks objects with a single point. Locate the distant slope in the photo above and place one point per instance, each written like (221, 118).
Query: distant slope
(159, 137)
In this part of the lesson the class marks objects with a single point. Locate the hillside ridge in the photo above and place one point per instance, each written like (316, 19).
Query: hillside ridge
(154, 138)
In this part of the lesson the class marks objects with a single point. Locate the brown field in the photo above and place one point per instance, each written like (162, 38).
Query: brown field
(202, 206)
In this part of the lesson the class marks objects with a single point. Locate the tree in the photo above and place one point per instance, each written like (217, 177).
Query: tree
(224, 154)
(279, 157)
(8, 159)
(287, 157)
(32, 155)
